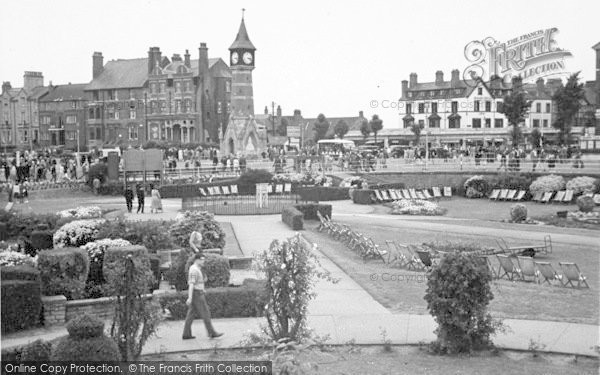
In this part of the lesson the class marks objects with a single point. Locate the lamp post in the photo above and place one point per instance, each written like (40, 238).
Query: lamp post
(426, 105)
(303, 128)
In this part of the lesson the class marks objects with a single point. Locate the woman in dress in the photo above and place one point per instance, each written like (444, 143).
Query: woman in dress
(156, 203)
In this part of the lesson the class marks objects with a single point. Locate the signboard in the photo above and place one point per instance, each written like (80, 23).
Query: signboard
(262, 195)
(143, 160)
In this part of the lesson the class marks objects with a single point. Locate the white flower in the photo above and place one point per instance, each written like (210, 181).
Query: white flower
(14, 258)
(82, 212)
(76, 232)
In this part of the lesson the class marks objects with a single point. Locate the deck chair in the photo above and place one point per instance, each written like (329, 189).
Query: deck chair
(527, 267)
(405, 194)
(416, 264)
(420, 195)
(436, 192)
(395, 256)
(559, 197)
(234, 189)
(538, 196)
(547, 273)
(495, 194)
(287, 188)
(374, 251)
(568, 196)
(378, 196)
(385, 195)
(447, 192)
(427, 195)
(503, 194)
(546, 198)
(211, 190)
(520, 195)
(426, 259)
(486, 260)
(202, 192)
(511, 195)
(413, 193)
(596, 199)
(572, 274)
(225, 190)
(393, 194)
(507, 268)
(279, 189)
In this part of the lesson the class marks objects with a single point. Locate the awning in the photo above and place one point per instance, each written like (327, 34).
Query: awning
(408, 118)
(454, 116)
(434, 116)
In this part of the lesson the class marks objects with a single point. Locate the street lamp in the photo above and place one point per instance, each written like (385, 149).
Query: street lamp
(302, 134)
(426, 105)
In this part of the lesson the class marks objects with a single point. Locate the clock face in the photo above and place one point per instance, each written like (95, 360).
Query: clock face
(234, 57)
(247, 58)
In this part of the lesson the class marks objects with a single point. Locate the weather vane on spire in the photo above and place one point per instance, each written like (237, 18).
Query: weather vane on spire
(243, 10)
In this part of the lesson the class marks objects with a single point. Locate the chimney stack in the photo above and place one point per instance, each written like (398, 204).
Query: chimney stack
(297, 113)
(517, 83)
(203, 64)
(266, 110)
(6, 86)
(32, 79)
(439, 77)
(97, 64)
(154, 57)
(455, 78)
(361, 114)
(413, 80)
(176, 57)
(404, 89)
(278, 111)
(540, 86)
(187, 59)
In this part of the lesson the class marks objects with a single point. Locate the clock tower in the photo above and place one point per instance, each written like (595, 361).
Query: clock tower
(241, 55)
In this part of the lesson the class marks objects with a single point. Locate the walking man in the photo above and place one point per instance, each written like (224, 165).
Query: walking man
(196, 300)
(140, 196)
(129, 198)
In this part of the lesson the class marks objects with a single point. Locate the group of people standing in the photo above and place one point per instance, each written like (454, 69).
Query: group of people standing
(156, 200)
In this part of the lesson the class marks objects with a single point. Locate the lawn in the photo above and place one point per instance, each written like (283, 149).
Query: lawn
(402, 291)
(353, 359)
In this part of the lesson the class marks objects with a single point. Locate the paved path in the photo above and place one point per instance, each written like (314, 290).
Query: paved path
(344, 311)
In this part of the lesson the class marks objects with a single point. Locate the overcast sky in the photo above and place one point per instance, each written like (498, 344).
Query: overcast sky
(333, 57)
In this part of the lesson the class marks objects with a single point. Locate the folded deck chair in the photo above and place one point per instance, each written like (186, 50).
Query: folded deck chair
(538, 196)
(405, 193)
(546, 198)
(287, 188)
(559, 197)
(571, 274)
(393, 194)
(225, 190)
(202, 192)
(520, 195)
(234, 189)
(507, 268)
(395, 257)
(568, 196)
(503, 194)
(527, 267)
(436, 192)
(547, 273)
(511, 195)
(378, 196)
(495, 194)
(427, 195)
(420, 195)
(447, 192)
(413, 193)
(385, 195)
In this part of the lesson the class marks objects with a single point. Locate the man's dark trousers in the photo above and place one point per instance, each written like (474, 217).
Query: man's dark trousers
(198, 307)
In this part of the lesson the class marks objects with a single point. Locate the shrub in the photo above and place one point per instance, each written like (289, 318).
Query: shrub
(177, 275)
(216, 270)
(22, 225)
(21, 304)
(114, 263)
(309, 210)
(23, 272)
(39, 350)
(323, 193)
(64, 271)
(77, 233)
(248, 180)
(86, 342)
(511, 181)
(458, 294)
(292, 217)
(111, 188)
(518, 213)
(41, 239)
(150, 234)
(547, 184)
(85, 327)
(581, 185)
(200, 221)
(10, 258)
(476, 187)
(585, 204)
(363, 196)
(98, 170)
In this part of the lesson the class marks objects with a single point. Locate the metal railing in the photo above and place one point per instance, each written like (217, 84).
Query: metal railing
(240, 204)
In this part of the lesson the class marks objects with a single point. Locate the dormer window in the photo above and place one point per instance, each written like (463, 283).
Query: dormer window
(479, 91)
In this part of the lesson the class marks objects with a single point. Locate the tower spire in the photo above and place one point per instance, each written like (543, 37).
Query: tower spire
(242, 40)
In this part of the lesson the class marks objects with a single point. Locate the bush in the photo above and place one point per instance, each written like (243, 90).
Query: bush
(323, 193)
(476, 187)
(216, 270)
(458, 294)
(39, 350)
(77, 233)
(518, 213)
(547, 184)
(22, 225)
(363, 196)
(64, 271)
(11, 258)
(581, 185)
(85, 327)
(248, 180)
(113, 267)
(177, 275)
(511, 181)
(86, 342)
(585, 204)
(24, 272)
(41, 239)
(21, 304)
(309, 210)
(95, 251)
(113, 188)
(98, 170)
(292, 217)
(200, 221)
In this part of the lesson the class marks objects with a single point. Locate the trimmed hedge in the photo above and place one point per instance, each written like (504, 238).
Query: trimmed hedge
(323, 193)
(309, 210)
(113, 267)
(41, 239)
(21, 304)
(363, 196)
(247, 300)
(25, 273)
(64, 271)
(292, 217)
(216, 269)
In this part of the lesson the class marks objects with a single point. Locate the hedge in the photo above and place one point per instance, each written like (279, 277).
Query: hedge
(309, 210)
(363, 196)
(64, 271)
(41, 239)
(247, 300)
(25, 273)
(323, 193)
(21, 304)
(292, 217)
(113, 267)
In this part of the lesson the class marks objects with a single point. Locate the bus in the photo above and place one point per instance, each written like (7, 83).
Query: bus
(334, 146)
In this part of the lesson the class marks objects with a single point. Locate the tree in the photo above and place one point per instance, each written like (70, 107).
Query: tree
(515, 107)
(365, 128)
(568, 102)
(321, 126)
(535, 138)
(376, 125)
(341, 129)
(416, 129)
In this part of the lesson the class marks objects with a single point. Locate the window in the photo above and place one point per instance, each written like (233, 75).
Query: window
(95, 95)
(434, 107)
(488, 122)
(153, 88)
(421, 124)
(163, 106)
(178, 86)
(410, 94)
(116, 115)
(431, 93)
(476, 106)
(188, 105)
(479, 91)
(132, 113)
(454, 107)
(421, 107)
(170, 82)
(98, 133)
(408, 108)
(538, 107)
(162, 87)
(71, 135)
(454, 123)
(110, 94)
(434, 123)
(188, 86)
(498, 123)
(228, 86)
(547, 107)
(45, 120)
(545, 122)
(219, 107)
(133, 132)
(111, 113)
(91, 113)
(71, 119)
(499, 107)
(536, 123)
(488, 106)
(476, 123)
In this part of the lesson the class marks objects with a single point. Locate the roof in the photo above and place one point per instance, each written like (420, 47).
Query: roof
(68, 92)
(121, 74)
(596, 46)
(242, 40)
(219, 68)
(590, 91)
(38, 92)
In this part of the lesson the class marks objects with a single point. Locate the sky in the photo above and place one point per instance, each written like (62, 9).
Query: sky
(331, 57)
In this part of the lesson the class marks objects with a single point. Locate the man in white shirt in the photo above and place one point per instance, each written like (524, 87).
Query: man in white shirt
(196, 300)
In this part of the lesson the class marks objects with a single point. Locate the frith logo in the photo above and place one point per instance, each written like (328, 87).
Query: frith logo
(530, 56)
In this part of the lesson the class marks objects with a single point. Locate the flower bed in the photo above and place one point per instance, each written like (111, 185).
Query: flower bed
(77, 233)
(352, 182)
(15, 258)
(547, 184)
(585, 217)
(302, 179)
(416, 207)
(96, 249)
(89, 212)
